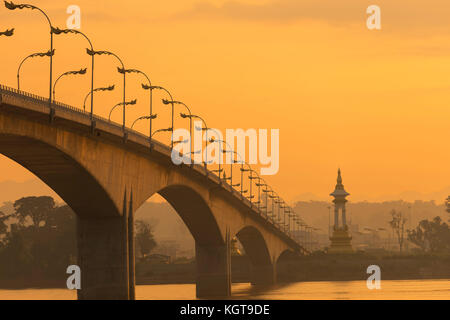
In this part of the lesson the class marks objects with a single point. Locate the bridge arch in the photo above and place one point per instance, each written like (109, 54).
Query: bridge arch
(286, 255)
(101, 225)
(63, 174)
(255, 246)
(211, 247)
(195, 213)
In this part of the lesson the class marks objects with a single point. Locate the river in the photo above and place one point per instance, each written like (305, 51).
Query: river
(317, 290)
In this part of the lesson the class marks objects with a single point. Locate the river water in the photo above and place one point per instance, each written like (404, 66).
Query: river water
(336, 290)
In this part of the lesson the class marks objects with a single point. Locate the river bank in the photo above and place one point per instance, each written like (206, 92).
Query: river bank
(317, 267)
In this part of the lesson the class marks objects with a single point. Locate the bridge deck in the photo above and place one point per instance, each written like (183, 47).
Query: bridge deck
(30, 105)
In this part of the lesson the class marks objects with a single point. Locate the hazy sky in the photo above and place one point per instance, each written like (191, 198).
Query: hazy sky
(375, 103)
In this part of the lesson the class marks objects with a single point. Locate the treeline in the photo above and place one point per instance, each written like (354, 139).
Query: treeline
(371, 214)
(38, 242)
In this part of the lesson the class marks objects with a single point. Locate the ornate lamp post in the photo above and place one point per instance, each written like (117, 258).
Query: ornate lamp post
(259, 185)
(120, 70)
(232, 162)
(12, 6)
(183, 115)
(276, 201)
(150, 116)
(110, 88)
(33, 55)
(225, 151)
(267, 189)
(58, 31)
(161, 130)
(222, 151)
(273, 195)
(242, 163)
(250, 178)
(206, 129)
(447, 203)
(151, 88)
(80, 72)
(129, 103)
(282, 207)
(7, 33)
(288, 222)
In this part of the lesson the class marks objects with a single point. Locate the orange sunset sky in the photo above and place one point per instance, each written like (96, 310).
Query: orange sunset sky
(376, 103)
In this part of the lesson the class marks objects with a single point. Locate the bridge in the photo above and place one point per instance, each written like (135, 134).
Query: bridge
(105, 174)
(105, 171)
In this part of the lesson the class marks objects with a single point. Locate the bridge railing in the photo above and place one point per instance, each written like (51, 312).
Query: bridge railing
(298, 236)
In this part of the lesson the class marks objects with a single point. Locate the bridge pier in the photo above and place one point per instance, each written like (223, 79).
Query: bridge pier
(264, 275)
(103, 258)
(213, 270)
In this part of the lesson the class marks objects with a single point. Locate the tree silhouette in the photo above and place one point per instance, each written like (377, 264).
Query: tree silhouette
(144, 237)
(398, 226)
(36, 208)
(433, 236)
(3, 226)
(447, 203)
(40, 243)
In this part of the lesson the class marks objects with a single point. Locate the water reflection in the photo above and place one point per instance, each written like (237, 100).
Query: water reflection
(335, 290)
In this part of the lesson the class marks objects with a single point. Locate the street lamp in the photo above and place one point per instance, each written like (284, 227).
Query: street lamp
(447, 204)
(12, 6)
(276, 213)
(161, 130)
(7, 33)
(183, 115)
(290, 214)
(110, 88)
(267, 189)
(206, 129)
(34, 55)
(145, 87)
(75, 31)
(259, 185)
(220, 170)
(272, 196)
(232, 162)
(225, 151)
(282, 207)
(221, 151)
(81, 72)
(120, 70)
(250, 178)
(152, 117)
(129, 103)
(151, 88)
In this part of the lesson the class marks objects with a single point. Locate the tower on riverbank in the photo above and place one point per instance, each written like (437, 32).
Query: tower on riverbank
(340, 239)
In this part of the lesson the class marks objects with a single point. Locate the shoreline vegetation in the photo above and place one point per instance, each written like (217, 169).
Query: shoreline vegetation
(38, 243)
